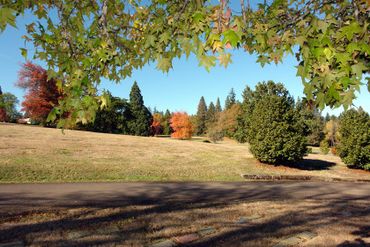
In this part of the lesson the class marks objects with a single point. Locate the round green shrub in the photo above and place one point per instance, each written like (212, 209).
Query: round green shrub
(354, 147)
(272, 124)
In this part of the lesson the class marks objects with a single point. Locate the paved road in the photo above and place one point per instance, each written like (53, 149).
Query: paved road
(106, 194)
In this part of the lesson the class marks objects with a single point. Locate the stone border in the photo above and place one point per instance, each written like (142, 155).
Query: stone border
(262, 177)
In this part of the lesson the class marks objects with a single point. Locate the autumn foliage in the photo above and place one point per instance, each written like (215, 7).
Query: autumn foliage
(42, 94)
(156, 127)
(181, 126)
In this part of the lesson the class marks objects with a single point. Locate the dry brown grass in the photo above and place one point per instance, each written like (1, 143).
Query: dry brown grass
(35, 154)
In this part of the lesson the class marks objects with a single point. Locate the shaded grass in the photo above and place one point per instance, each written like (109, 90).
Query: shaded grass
(35, 154)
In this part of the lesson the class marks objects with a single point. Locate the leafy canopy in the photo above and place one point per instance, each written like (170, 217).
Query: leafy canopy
(90, 40)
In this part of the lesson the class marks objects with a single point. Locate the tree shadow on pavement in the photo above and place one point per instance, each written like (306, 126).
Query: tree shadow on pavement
(47, 221)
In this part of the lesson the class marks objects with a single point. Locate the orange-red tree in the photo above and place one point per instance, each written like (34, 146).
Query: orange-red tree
(181, 126)
(42, 94)
(156, 127)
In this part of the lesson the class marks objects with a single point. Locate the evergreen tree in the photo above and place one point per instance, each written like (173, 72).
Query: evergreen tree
(142, 118)
(230, 99)
(218, 105)
(166, 123)
(312, 121)
(201, 117)
(112, 119)
(354, 147)
(272, 124)
(211, 115)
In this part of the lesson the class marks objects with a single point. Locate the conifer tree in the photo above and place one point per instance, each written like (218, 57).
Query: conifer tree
(211, 115)
(312, 122)
(271, 124)
(166, 123)
(201, 117)
(142, 118)
(354, 147)
(230, 99)
(218, 105)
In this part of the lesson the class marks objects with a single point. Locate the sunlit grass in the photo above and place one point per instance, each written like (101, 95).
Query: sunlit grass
(35, 154)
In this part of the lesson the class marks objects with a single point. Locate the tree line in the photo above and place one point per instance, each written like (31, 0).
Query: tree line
(277, 128)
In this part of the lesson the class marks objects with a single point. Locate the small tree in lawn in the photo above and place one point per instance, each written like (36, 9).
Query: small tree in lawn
(42, 94)
(216, 132)
(166, 123)
(272, 124)
(354, 147)
(181, 126)
(331, 132)
(142, 118)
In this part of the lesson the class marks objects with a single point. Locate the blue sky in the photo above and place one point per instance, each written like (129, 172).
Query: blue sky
(182, 87)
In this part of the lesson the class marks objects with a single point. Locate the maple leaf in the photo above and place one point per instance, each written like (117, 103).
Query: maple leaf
(225, 59)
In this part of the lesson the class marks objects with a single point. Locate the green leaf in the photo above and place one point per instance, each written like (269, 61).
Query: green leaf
(7, 17)
(207, 61)
(165, 37)
(328, 53)
(358, 69)
(164, 64)
(230, 36)
(24, 52)
(350, 30)
(150, 41)
(186, 46)
(300, 40)
(343, 58)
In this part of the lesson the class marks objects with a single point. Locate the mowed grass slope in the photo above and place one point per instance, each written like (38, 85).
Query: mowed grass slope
(36, 154)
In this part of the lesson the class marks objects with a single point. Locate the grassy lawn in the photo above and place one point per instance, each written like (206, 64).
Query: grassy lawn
(35, 154)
